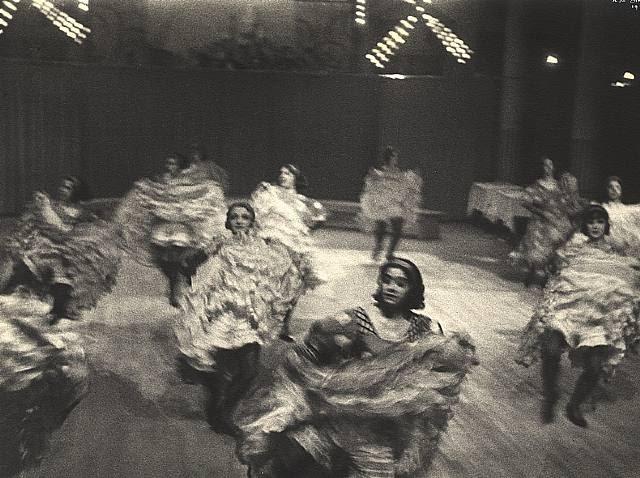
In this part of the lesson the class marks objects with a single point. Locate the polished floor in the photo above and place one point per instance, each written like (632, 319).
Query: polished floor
(139, 420)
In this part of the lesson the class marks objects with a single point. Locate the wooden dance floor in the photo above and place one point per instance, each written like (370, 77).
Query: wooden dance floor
(139, 420)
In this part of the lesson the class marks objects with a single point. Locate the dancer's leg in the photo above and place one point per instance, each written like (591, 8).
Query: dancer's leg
(396, 235)
(593, 361)
(552, 347)
(378, 235)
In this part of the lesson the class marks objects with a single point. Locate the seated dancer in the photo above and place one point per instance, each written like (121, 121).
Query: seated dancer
(43, 375)
(391, 197)
(625, 218)
(288, 217)
(556, 209)
(171, 222)
(238, 302)
(367, 394)
(589, 307)
(62, 250)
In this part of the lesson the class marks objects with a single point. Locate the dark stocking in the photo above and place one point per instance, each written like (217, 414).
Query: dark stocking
(593, 359)
(396, 234)
(378, 234)
(552, 347)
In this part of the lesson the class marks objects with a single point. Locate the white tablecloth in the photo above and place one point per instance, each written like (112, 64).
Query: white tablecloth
(498, 202)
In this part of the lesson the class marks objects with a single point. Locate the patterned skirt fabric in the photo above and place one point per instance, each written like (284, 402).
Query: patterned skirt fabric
(592, 302)
(241, 295)
(86, 258)
(43, 374)
(284, 217)
(388, 196)
(177, 213)
(383, 413)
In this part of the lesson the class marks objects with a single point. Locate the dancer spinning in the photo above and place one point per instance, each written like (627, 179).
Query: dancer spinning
(556, 208)
(625, 218)
(43, 375)
(238, 303)
(62, 250)
(286, 216)
(589, 307)
(366, 395)
(391, 197)
(171, 222)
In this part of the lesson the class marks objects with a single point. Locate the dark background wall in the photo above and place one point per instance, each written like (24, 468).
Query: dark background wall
(112, 125)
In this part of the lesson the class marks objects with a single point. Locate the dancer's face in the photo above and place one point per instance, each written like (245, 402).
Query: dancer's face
(286, 178)
(394, 286)
(614, 190)
(392, 161)
(547, 168)
(240, 219)
(171, 165)
(596, 227)
(65, 191)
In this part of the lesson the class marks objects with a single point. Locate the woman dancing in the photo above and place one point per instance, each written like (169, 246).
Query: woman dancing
(590, 307)
(171, 222)
(288, 217)
(625, 218)
(238, 303)
(391, 197)
(62, 250)
(366, 395)
(556, 207)
(43, 375)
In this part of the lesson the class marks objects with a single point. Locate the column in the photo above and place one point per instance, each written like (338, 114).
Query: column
(513, 94)
(589, 84)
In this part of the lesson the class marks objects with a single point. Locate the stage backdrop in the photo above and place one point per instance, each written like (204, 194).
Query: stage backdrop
(113, 125)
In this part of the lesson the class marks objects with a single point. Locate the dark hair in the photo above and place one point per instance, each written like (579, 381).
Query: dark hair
(80, 190)
(244, 205)
(613, 178)
(387, 153)
(183, 161)
(196, 147)
(415, 296)
(301, 179)
(594, 211)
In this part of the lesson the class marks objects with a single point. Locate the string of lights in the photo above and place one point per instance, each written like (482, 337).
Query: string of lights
(7, 10)
(65, 23)
(392, 41)
(454, 45)
(83, 5)
(361, 12)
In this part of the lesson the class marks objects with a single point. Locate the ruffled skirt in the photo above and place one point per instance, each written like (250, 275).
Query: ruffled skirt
(176, 215)
(87, 259)
(239, 296)
(592, 303)
(43, 374)
(383, 414)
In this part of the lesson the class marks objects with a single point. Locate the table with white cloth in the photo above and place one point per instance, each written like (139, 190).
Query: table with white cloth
(498, 202)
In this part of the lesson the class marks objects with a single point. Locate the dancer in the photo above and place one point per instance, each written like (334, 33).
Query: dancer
(391, 198)
(238, 303)
(589, 307)
(62, 250)
(43, 375)
(555, 207)
(202, 168)
(625, 218)
(171, 222)
(367, 394)
(288, 217)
